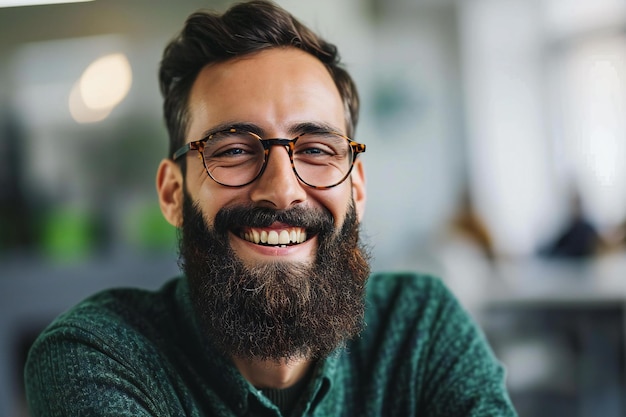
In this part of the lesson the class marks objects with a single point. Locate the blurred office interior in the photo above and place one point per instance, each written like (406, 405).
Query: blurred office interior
(496, 138)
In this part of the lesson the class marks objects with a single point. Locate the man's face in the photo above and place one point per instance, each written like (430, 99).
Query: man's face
(276, 91)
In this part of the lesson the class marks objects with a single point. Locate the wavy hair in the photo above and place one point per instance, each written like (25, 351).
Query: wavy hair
(243, 29)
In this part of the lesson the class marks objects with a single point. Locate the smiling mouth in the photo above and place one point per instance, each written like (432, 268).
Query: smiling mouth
(283, 237)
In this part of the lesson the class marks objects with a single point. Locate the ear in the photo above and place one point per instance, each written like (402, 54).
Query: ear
(169, 184)
(358, 188)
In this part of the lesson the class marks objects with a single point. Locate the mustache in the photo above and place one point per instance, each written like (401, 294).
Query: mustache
(315, 221)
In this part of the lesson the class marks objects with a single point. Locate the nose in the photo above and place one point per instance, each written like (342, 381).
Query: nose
(278, 187)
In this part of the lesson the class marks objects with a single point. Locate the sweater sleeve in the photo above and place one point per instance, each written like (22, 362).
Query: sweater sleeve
(465, 378)
(91, 367)
(424, 355)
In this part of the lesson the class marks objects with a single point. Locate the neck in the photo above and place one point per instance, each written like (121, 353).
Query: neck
(271, 373)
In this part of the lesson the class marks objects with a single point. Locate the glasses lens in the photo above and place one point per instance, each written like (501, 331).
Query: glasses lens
(233, 158)
(322, 159)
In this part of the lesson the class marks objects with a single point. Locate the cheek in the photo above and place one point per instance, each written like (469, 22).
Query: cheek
(337, 201)
(211, 197)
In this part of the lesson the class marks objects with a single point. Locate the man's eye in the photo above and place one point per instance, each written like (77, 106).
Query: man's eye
(232, 152)
(311, 151)
(315, 149)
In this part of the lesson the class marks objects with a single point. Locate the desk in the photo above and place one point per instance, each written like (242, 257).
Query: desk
(558, 326)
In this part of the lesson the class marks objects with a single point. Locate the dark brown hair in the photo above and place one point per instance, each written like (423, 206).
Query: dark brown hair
(245, 28)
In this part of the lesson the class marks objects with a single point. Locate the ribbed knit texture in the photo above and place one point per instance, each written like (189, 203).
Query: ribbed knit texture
(132, 352)
(286, 398)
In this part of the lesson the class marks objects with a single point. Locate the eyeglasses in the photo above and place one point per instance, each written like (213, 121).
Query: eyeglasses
(235, 158)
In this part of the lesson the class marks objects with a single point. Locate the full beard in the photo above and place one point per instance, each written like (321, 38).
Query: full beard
(278, 310)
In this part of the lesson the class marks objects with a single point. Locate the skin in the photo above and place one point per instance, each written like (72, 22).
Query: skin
(276, 90)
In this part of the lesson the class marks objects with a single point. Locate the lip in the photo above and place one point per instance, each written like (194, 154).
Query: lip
(251, 251)
(271, 236)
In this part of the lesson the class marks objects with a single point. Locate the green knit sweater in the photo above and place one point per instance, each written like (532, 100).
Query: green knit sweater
(131, 352)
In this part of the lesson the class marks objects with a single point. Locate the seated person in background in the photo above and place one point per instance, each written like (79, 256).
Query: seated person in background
(578, 239)
(275, 314)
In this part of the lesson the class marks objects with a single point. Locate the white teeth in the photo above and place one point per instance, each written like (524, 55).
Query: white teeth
(283, 237)
(274, 237)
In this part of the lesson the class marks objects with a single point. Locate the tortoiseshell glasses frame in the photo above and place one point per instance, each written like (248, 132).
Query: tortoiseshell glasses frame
(324, 156)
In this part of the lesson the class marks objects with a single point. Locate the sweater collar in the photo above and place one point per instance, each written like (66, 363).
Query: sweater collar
(224, 379)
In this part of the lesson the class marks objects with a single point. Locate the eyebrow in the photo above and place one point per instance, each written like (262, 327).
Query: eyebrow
(293, 131)
(312, 127)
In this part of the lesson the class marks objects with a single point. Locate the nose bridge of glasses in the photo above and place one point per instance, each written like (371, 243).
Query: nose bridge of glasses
(287, 143)
(276, 165)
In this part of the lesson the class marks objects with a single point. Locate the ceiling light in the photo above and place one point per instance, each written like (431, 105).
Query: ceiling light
(103, 85)
(106, 81)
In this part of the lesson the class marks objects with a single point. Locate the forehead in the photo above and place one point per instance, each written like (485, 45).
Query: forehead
(274, 89)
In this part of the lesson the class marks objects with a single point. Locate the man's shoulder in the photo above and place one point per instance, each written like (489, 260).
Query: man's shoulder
(113, 347)
(419, 337)
(115, 313)
(122, 300)
(392, 285)
(411, 301)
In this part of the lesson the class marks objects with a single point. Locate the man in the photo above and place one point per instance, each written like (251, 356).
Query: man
(271, 317)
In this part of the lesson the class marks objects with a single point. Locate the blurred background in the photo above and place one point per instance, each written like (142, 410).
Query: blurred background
(496, 136)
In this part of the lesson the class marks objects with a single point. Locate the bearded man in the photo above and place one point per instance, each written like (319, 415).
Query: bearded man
(275, 314)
